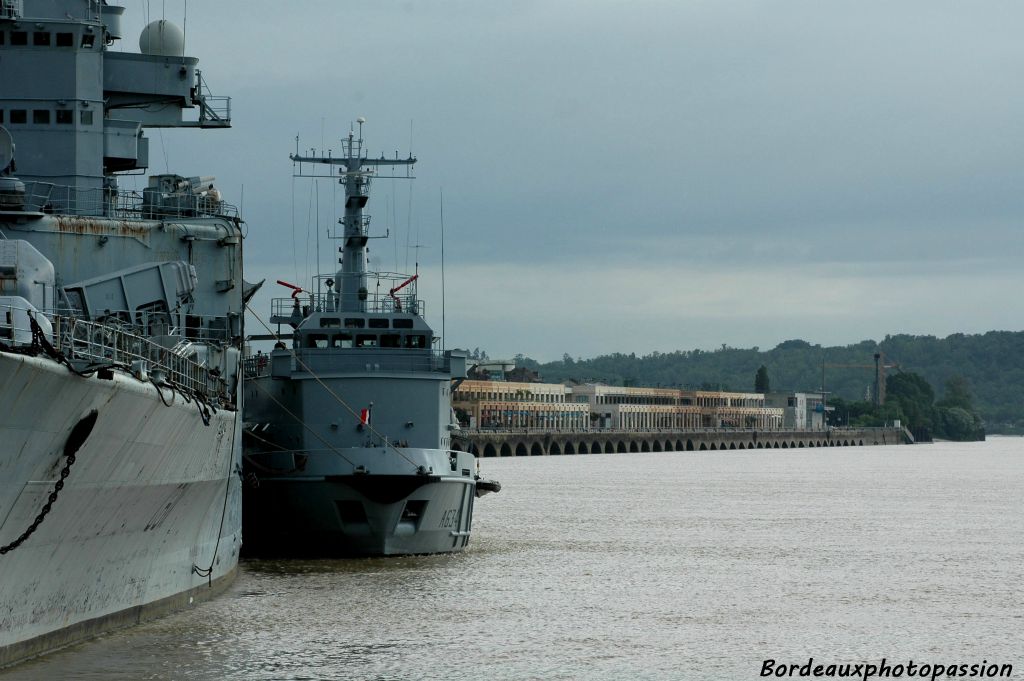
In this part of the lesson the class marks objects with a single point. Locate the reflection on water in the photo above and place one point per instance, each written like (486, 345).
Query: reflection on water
(694, 565)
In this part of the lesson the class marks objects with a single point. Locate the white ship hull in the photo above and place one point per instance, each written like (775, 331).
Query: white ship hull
(153, 492)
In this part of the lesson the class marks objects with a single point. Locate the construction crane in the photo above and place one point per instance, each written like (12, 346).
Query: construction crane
(878, 389)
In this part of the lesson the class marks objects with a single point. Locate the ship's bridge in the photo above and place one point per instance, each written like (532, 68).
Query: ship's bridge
(346, 330)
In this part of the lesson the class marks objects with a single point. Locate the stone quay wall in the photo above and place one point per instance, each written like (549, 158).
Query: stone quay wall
(485, 442)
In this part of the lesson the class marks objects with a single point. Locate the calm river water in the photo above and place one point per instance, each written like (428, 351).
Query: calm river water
(684, 565)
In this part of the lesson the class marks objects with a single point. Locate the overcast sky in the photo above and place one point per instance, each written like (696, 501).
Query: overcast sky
(631, 177)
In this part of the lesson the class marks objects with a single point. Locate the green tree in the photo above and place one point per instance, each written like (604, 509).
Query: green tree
(761, 382)
(957, 394)
(955, 423)
(913, 397)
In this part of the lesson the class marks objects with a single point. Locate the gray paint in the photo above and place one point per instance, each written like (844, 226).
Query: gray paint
(153, 500)
(326, 479)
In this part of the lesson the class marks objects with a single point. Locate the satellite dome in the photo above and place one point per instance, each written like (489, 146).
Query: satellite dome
(162, 38)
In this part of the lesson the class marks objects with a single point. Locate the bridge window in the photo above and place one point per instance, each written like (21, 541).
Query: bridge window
(354, 322)
(65, 117)
(415, 341)
(379, 323)
(85, 118)
(365, 340)
(87, 41)
(390, 340)
(19, 38)
(40, 117)
(19, 116)
(41, 39)
(330, 323)
(401, 323)
(341, 340)
(316, 340)
(65, 39)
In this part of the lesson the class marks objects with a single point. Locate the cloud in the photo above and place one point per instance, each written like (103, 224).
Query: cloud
(671, 174)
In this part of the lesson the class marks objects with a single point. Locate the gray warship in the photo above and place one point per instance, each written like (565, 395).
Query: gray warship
(348, 424)
(120, 334)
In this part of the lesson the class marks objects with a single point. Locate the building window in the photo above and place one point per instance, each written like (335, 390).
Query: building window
(65, 40)
(85, 118)
(19, 116)
(41, 39)
(40, 117)
(65, 117)
(19, 38)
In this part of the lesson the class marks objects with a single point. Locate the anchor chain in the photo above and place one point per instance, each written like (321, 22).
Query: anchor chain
(57, 487)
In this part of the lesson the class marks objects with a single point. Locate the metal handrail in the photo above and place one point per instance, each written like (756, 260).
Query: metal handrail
(46, 197)
(11, 9)
(101, 343)
(98, 343)
(214, 110)
(330, 302)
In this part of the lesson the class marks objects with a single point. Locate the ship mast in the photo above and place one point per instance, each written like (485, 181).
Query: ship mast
(356, 171)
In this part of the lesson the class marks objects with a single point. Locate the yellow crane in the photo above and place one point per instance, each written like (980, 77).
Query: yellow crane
(878, 389)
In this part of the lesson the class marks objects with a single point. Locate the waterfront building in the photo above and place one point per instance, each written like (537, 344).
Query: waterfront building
(801, 411)
(553, 406)
(640, 408)
(508, 404)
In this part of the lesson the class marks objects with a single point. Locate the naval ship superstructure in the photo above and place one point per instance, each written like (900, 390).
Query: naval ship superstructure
(347, 443)
(120, 333)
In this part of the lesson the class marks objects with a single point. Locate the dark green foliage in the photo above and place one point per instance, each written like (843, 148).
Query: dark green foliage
(912, 397)
(955, 423)
(761, 382)
(957, 394)
(991, 364)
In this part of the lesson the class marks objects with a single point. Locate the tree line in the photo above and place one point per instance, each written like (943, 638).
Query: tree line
(988, 368)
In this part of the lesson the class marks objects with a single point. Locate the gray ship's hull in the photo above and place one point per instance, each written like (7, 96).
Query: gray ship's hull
(344, 515)
(152, 495)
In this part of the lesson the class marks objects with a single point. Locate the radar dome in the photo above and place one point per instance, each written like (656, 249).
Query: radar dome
(163, 39)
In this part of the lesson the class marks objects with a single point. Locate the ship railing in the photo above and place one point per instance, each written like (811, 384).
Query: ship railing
(214, 111)
(97, 343)
(46, 197)
(213, 329)
(378, 303)
(105, 344)
(326, 361)
(11, 9)
(16, 326)
(256, 366)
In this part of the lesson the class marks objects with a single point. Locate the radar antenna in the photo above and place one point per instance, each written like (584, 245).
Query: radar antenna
(355, 171)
